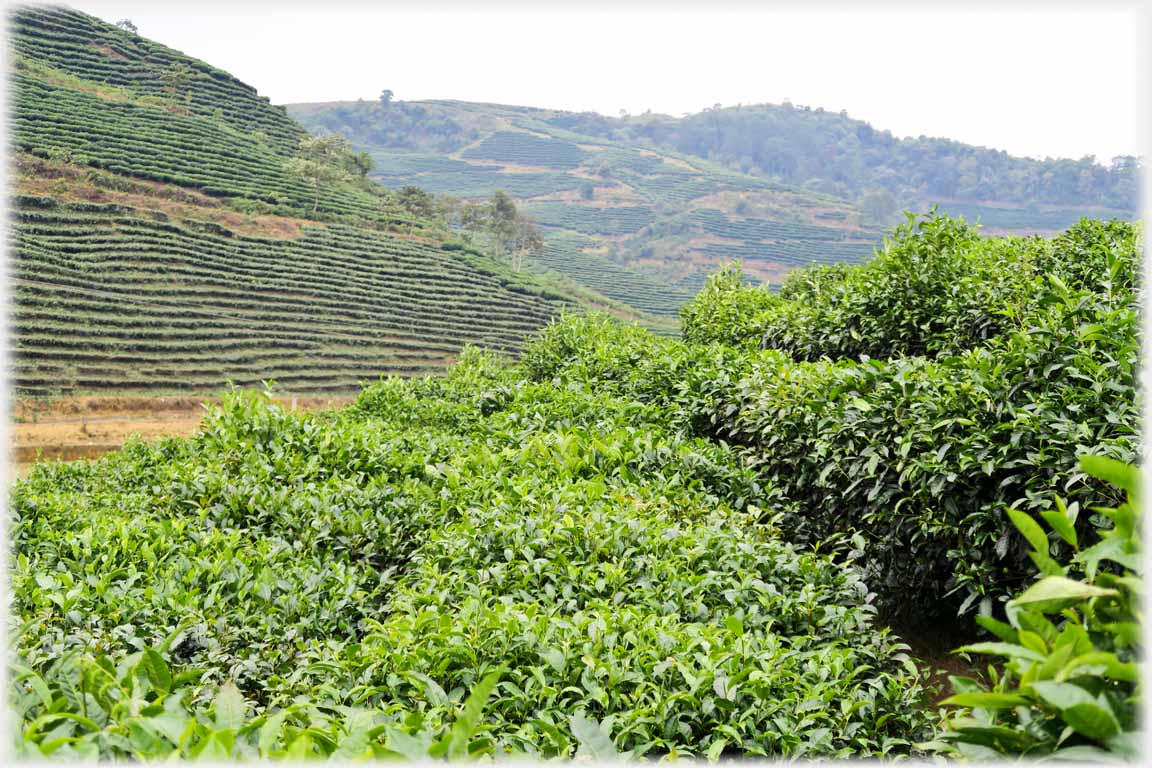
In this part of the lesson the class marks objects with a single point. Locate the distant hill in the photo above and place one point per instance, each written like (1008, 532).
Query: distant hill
(161, 244)
(643, 226)
(642, 208)
(834, 153)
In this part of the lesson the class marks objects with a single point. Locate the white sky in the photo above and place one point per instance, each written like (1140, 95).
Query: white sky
(1040, 80)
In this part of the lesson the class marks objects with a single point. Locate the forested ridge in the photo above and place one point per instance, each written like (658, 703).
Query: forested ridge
(831, 152)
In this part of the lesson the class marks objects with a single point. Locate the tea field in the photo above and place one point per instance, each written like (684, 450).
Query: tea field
(623, 545)
(543, 525)
(110, 300)
(162, 243)
(664, 216)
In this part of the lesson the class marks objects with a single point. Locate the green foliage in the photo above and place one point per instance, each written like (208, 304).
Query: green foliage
(392, 557)
(922, 456)
(1070, 687)
(511, 234)
(726, 311)
(937, 289)
(92, 708)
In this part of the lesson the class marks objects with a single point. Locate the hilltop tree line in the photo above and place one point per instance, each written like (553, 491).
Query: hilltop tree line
(397, 124)
(835, 154)
(826, 152)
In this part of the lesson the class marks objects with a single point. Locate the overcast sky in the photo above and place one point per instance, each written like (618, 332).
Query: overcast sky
(1035, 81)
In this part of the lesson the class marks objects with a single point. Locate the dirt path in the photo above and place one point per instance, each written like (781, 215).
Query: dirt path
(931, 648)
(86, 427)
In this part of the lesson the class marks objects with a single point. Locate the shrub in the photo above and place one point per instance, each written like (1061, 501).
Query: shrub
(1070, 687)
(937, 289)
(923, 457)
(363, 570)
(726, 310)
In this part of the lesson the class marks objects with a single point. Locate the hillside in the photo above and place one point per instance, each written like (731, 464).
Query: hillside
(641, 225)
(834, 153)
(162, 242)
(643, 208)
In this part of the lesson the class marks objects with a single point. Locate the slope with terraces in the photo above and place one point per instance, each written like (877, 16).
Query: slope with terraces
(160, 243)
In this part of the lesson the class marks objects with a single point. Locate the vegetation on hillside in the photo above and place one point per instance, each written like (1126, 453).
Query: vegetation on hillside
(174, 231)
(909, 400)
(108, 298)
(833, 153)
(651, 218)
(628, 544)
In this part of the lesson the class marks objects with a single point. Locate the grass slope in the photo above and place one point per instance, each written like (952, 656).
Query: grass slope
(160, 245)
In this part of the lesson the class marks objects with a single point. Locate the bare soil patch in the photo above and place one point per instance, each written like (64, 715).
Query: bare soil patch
(77, 428)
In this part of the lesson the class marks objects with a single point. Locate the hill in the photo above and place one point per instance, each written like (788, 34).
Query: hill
(162, 241)
(642, 225)
(637, 201)
(834, 153)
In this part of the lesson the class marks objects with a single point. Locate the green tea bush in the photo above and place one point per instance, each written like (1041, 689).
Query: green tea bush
(923, 457)
(1070, 686)
(936, 289)
(137, 709)
(727, 310)
(336, 584)
(920, 455)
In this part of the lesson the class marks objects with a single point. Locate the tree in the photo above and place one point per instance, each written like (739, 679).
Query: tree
(359, 163)
(877, 205)
(527, 242)
(176, 78)
(417, 202)
(385, 97)
(319, 162)
(127, 26)
(512, 235)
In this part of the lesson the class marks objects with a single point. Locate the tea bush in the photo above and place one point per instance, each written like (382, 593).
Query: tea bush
(729, 311)
(339, 583)
(623, 544)
(1071, 686)
(936, 289)
(921, 455)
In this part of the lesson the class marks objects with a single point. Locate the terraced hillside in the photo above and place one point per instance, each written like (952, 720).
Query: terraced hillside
(634, 223)
(161, 244)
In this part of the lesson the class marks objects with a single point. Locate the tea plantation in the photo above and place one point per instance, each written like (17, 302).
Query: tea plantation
(632, 546)
(161, 242)
(665, 217)
(582, 538)
(110, 300)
